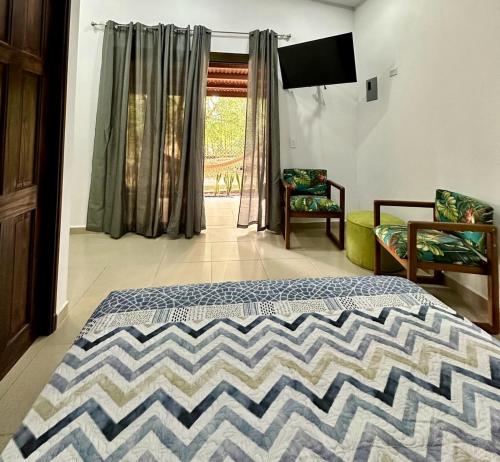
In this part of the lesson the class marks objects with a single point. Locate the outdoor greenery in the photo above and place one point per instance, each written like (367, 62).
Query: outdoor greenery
(224, 144)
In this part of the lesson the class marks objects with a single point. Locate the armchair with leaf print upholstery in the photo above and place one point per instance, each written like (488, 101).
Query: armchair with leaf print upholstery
(307, 193)
(461, 238)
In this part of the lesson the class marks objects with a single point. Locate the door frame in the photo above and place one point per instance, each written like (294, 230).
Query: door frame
(51, 167)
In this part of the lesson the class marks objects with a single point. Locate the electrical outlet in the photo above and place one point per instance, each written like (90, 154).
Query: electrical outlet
(293, 143)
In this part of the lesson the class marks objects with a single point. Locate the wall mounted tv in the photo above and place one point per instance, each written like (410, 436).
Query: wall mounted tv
(325, 61)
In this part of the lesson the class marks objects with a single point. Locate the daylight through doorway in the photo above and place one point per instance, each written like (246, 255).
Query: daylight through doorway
(225, 123)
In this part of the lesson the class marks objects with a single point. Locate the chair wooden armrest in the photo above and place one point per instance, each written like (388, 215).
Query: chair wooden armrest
(395, 203)
(332, 184)
(286, 192)
(451, 227)
(335, 185)
(285, 185)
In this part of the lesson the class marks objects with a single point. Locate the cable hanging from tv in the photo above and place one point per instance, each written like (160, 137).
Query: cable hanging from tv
(285, 37)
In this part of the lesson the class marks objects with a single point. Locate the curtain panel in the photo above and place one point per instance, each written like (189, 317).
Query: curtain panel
(260, 194)
(147, 170)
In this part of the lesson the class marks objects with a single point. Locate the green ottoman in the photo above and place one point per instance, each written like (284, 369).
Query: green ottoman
(360, 240)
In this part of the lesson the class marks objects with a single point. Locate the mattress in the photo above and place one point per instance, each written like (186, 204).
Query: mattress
(340, 369)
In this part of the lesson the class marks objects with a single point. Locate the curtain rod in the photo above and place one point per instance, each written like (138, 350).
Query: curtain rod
(285, 37)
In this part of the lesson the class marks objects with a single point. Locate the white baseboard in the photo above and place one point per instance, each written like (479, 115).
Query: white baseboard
(79, 230)
(62, 315)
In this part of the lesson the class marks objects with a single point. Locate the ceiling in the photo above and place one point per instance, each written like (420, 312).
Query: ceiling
(348, 3)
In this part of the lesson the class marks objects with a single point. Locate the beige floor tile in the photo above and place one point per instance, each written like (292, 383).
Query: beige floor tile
(15, 404)
(225, 221)
(226, 251)
(329, 251)
(77, 317)
(4, 439)
(186, 250)
(80, 278)
(219, 212)
(19, 367)
(232, 234)
(219, 203)
(290, 269)
(238, 271)
(183, 273)
(276, 250)
(139, 251)
(117, 277)
(93, 249)
(337, 265)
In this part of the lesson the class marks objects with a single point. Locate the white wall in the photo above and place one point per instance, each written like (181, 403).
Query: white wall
(324, 135)
(62, 278)
(437, 124)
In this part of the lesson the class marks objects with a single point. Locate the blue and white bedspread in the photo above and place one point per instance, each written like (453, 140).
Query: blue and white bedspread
(348, 369)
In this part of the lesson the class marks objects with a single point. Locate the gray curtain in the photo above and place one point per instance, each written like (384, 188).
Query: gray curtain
(260, 194)
(149, 139)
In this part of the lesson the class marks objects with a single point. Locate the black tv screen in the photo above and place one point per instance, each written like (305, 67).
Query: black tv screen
(325, 61)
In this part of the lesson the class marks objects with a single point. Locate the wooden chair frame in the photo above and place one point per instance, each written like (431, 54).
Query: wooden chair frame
(287, 213)
(412, 264)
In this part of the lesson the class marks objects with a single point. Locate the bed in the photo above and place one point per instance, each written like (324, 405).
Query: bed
(338, 369)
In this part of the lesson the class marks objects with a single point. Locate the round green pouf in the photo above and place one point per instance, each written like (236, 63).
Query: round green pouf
(360, 240)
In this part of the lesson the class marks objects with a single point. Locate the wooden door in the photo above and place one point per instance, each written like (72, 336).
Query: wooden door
(32, 80)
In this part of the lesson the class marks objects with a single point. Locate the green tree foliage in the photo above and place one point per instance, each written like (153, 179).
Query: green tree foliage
(224, 141)
(224, 128)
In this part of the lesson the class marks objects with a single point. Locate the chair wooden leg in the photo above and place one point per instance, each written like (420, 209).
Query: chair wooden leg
(287, 230)
(377, 264)
(342, 232)
(438, 277)
(411, 271)
(493, 325)
(338, 241)
(493, 305)
(282, 224)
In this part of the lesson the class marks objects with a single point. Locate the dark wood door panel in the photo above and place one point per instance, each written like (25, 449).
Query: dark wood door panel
(28, 130)
(4, 20)
(19, 159)
(21, 264)
(15, 283)
(27, 25)
(3, 87)
(17, 203)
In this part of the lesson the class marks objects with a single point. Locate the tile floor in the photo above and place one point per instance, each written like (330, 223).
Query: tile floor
(99, 264)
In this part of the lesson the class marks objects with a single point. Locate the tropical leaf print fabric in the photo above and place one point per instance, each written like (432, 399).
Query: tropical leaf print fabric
(306, 181)
(453, 207)
(432, 246)
(313, 204)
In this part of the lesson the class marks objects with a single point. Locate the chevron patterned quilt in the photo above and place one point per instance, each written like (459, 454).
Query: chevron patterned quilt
(348, 369)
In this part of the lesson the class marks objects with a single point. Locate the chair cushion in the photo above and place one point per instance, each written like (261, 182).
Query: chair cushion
(453, 207)
(432, 246)
(313, 204)
(306, 181)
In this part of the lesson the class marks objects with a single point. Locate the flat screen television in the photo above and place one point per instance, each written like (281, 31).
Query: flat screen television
(325, 61)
